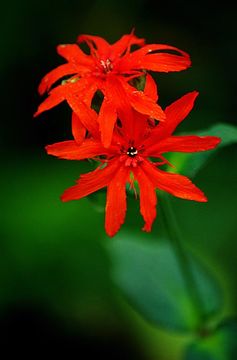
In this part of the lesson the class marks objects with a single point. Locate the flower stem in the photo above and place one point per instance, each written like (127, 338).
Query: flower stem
(182, 257)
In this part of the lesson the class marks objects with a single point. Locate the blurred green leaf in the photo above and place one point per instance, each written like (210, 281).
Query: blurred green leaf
(48, 247)
(98, 200)
(150, 277)
(220, 345)
(190, 164)
(139, 82)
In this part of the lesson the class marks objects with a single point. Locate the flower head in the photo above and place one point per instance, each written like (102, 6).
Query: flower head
(136, 142)
(109, 69)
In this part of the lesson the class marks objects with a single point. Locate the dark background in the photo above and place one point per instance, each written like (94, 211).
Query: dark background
(55, 286)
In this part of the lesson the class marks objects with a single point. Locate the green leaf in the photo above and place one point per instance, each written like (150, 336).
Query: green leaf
(149, 276)
(190, 164)
(98, 200)
(219, 345)
(48, 245)
(139, 82)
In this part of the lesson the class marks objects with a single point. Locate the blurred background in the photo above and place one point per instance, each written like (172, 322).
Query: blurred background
(56, 290)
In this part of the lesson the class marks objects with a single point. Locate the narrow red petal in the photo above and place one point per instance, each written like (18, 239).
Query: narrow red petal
(148, 199)
(78, 129)
(135, 59)
(179, 110)
(183, 144)
(175, 184)
(165, 62)
(142, 103)
(91, 182)
(75, 93)
(117, 95)
(56, 96)
(82, 86)
(73, 54)
(85, 89)
(70, 150)
(139, 123)
(102, 46)
(133, 123)
(175, 113)
(125, 43)
(116, 201)
(150, 89)
(54, 75)
(106, 119)
(86, 115)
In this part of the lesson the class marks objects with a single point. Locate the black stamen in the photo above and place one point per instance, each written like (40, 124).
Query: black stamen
(132, 151)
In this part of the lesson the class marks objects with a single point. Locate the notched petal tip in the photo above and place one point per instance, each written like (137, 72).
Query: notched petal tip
(194, 92)
(61, 47)
(50, 150)
(217, 140)
(111, 233)
(37, 113)
(212, 142)
(162, 115)
(67, 195)
(147, 228)
(64, 197)
(197, 195)
(42, 88)
(204, 199)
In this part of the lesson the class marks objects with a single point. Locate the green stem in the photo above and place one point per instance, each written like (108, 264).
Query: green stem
(181, 253)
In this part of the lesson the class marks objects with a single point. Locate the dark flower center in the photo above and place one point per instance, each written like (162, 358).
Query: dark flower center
(132, 151)
(106, 65)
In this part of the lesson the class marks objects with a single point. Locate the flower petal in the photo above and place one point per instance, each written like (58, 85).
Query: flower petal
(88, 89)
(137, 59)
(175, 113)
(175, 184)
(73, 91)
(142, 103)
(95, 43)
(54, 75)
(78, 129)
(106, 119)
(87, 116)
(179, 110)
(73, 54)
(150, 89)
(116, 201)
(148, 199)
(91, 182)
(183, 144)
(70, 150)
(123, 44)
(116, 94)
(133, 123)
(83, 88)
(165, 62)
(56, 96)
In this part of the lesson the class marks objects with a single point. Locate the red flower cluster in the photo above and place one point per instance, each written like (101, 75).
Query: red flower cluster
(130, 129)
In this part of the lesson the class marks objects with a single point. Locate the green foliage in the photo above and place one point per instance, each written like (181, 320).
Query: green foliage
(149, 275)
(191, 164)
(219, 345)
(50, 251)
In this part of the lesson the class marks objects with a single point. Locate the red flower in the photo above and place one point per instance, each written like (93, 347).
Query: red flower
(129, 158)
(109, 68)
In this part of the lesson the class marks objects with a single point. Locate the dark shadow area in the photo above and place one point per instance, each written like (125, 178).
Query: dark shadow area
(33, 331)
